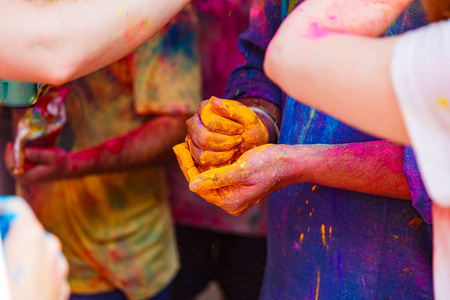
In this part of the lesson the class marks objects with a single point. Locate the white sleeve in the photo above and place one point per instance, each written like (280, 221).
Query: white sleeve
(420, 71)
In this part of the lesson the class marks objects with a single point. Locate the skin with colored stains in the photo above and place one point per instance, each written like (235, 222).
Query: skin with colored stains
(316, 27)
(36, 267)
(64, 48)
(265, 169)
(222, 130)
(144, 146)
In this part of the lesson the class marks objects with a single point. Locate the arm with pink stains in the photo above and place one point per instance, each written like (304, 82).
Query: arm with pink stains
(58, 41)
(327, 47)
(148, 145)
(371, 167)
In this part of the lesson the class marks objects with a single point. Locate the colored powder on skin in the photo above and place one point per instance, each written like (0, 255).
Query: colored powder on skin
(120, 11)
(315, 32)
(443, 102)
(134, 28)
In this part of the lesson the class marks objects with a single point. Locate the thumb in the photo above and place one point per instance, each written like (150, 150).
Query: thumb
(217, 121)
(234, 110)
(185, 160)
(217, 178)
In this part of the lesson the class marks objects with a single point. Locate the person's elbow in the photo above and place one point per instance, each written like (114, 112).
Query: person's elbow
(59, 74)
(54, 60)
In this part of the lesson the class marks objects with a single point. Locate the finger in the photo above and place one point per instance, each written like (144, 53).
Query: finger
(234, 110)
(39, 156)
(185, 161)
(209, 158)
(217, 178)
(216, 123)
(206, 139)
(254, 136)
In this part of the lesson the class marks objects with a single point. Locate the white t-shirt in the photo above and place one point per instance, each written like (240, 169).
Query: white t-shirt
(420, 70)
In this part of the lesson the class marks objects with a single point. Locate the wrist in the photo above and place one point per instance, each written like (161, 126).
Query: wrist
(301, 160)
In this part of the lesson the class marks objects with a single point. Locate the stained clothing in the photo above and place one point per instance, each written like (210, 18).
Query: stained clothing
(327, 243)
(116, 228)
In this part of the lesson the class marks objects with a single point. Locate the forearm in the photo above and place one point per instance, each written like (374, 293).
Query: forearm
(370, 167)
(146, 146)
(313, 19)
(343, 75)
(57, 41)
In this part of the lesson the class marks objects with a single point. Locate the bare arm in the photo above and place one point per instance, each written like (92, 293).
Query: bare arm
(150, 144)
(145, 146)
(371, 167)
(314, 59)
(58, 41)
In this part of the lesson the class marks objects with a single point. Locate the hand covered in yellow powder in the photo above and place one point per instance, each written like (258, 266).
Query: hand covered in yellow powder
(242, 184)
(222, 130)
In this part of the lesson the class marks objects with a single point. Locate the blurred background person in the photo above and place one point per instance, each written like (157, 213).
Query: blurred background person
(105, 194)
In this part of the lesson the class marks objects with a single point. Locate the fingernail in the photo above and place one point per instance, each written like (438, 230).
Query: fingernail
(217, 101)
(193, 186)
